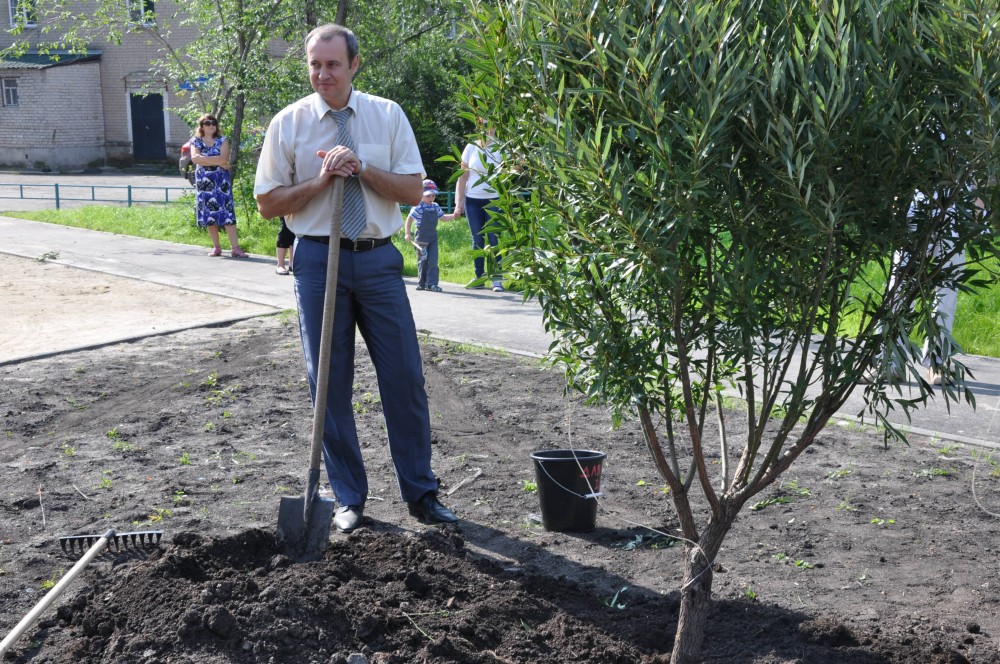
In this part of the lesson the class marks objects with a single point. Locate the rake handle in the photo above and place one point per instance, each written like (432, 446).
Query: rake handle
(57, 590)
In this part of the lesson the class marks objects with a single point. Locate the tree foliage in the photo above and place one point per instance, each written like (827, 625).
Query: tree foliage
(244, 61)
(411, 53)
(693, 191)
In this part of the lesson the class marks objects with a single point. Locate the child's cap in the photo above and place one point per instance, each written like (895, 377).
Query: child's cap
(430, 188)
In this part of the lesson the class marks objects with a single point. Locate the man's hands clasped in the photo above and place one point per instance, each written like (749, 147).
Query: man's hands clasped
(338, 161)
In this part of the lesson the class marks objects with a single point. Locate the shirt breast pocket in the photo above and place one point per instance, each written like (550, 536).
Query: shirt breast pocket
(377, 155)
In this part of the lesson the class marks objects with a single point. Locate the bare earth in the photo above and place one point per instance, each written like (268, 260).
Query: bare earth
(876, 555)
(49, 307)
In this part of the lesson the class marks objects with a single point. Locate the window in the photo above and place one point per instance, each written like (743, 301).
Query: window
(23, 10)
(141, 11)
(9, 86)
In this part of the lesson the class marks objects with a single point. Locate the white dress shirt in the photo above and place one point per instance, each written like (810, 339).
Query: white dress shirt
(382, 137)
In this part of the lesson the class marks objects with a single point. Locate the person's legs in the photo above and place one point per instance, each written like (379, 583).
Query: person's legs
(234, 243)
(421, 266)
(431, 259)
(944, 310)
(341, 453)
(386, 323)
(881, 364)
(213, 233)
(284, 244)
(492, 236)
(475, 212)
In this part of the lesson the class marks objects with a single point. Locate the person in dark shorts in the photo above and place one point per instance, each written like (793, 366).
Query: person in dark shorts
(284, 244)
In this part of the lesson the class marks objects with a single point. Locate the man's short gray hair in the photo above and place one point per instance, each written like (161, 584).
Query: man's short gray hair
(331, 30)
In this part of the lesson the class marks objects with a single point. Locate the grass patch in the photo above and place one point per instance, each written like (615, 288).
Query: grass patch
(175, 222)
(977, 323)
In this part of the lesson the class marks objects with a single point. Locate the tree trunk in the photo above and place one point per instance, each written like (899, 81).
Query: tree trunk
(342, 7)
(696, 593)
(236, 137)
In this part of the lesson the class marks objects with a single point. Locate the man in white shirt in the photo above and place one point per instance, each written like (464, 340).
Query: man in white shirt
(340, 132)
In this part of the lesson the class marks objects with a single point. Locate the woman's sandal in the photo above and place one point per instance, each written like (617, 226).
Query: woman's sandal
(281, 270)
(238, 253)
(215, 252)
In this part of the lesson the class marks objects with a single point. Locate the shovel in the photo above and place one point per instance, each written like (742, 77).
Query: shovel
(304, 523)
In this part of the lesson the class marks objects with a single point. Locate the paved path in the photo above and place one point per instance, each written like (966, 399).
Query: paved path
(480, 317)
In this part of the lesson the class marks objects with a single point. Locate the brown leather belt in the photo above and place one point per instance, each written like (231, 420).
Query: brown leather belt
(361, 244)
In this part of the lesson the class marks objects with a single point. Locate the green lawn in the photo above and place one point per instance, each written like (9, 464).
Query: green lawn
(977, 323)
(977, 319)
(176, 223)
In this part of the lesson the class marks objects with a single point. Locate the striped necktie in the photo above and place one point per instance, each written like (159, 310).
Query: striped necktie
(354, 203)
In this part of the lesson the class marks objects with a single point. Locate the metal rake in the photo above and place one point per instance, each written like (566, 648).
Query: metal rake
(139, 539)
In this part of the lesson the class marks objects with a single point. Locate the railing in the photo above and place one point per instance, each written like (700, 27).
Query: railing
(133, 194)
(61, 193)
(446, 199)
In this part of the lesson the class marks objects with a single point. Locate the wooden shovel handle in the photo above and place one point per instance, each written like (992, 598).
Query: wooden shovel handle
(326, 336)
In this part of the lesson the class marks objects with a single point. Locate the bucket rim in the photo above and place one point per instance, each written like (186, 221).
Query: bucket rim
(568, 455)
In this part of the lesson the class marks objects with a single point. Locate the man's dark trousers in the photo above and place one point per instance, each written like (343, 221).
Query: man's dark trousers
(372, 296)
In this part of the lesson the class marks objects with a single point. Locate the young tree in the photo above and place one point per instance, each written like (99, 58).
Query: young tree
(696, 193)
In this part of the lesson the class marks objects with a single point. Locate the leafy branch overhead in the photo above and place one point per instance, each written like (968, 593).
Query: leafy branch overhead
(243, 61)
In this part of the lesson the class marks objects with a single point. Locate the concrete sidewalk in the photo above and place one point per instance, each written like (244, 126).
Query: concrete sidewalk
(480, 317)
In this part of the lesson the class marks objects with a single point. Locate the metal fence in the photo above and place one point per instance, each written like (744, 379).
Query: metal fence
(129, 195)
(94, 193)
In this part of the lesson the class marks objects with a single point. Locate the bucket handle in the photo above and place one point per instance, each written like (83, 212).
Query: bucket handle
(589, 496)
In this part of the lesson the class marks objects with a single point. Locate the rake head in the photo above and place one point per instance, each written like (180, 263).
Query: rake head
(142, 539)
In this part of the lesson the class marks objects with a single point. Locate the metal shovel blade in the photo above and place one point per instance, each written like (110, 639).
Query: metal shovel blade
(302, 538)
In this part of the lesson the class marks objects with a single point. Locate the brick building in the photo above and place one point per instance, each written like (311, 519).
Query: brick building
(86, 108)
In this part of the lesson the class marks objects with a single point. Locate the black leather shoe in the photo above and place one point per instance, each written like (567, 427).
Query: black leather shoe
(347, 518)
(429, 510)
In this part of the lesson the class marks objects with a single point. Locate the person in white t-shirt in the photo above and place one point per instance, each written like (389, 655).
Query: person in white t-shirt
(937, 350)
(475, 197)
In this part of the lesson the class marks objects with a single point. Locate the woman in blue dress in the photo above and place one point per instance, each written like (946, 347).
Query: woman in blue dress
(214, 185)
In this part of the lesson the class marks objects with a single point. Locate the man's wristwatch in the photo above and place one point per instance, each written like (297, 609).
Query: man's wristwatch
(361, 171)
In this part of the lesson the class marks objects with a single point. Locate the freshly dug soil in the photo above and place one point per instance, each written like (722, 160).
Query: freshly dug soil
(863, 554)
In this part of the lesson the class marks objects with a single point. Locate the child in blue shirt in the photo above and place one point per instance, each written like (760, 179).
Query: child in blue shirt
(421, 231)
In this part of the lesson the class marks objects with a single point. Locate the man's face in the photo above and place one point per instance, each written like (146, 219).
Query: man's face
(330, 72)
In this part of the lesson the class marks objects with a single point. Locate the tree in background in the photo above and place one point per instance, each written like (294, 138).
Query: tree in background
(245, 61)
(220, 68)
(411, 53)
(694, 191)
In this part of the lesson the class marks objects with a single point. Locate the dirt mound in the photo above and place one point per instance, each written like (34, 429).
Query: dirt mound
(862, 554)
(391, 597)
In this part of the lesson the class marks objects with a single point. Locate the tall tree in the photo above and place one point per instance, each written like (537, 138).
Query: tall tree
(223, 49)
(411, 53)
(243, 60)
(694, 191)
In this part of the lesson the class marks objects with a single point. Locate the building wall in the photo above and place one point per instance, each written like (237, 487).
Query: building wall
(45, 130)
(121, 71)
(125, 71)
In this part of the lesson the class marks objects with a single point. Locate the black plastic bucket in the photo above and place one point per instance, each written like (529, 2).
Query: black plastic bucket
(569, 484)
